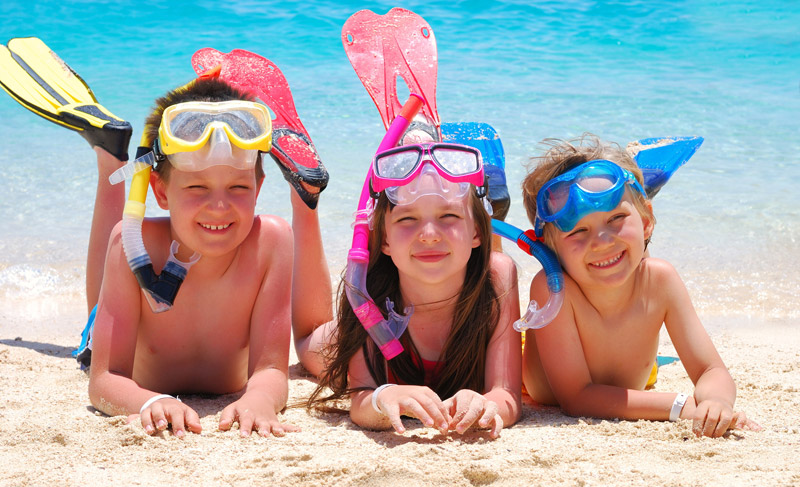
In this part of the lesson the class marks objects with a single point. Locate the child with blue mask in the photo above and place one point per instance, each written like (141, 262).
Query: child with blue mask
(585, 199)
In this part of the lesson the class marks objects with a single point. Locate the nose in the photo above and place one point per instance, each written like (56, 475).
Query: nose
(602, 238)
(429, 233)
(218, 201)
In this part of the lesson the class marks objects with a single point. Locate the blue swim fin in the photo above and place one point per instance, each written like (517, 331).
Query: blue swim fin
(483, 137)
(660, 157)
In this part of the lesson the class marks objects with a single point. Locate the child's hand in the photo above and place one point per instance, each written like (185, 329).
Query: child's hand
(467, 407)
(170, 412)
(714, 418)
(416, 401)
(254, 414)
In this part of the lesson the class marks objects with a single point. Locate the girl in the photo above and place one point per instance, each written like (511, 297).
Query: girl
(430, 250)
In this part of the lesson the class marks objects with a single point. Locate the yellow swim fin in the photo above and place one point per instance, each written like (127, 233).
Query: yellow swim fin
(41, 82)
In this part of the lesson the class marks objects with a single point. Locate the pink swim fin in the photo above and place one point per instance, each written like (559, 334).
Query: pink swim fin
(292, 148)
(383, 47)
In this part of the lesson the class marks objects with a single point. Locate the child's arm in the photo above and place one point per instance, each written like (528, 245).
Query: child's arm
(562, 357)
(561, 353)
(312, 296)
(711, 408)
(398, 400)
(108, 203)
(270, 329)
(111, 387)
(501, 405)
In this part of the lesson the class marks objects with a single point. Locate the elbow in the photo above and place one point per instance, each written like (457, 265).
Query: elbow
(574, 407)
(95, 396)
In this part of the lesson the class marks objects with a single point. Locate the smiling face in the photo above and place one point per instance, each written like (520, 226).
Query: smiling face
(431, 240)
(211, 211)
(604, 248)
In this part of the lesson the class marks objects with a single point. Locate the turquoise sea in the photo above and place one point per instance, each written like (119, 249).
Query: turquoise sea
(728, 71)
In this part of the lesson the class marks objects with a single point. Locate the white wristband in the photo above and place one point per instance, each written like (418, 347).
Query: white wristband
(153, 399)
(677, 406)
(375, 398)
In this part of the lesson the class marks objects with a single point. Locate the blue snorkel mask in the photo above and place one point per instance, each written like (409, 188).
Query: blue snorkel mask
(591, 187)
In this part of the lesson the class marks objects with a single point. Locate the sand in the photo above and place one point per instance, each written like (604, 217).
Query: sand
(51, 435)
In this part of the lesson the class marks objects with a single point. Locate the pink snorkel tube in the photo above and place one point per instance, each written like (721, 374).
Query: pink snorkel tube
(385, 332)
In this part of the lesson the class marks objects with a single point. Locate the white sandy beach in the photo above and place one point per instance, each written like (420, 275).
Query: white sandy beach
(50, 434)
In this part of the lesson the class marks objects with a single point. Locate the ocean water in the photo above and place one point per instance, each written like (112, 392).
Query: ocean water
(728, 71)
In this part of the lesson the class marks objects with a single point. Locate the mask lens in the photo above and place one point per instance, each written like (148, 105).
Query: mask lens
(397, 165)
(596, 180)
(455, 161)
(556, 197)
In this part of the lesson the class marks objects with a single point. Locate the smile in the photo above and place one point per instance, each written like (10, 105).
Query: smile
(215, 227)
(430, 256)
(608, 262)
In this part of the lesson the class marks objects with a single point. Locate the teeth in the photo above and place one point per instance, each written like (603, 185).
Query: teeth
(215, 227)
(608, 262)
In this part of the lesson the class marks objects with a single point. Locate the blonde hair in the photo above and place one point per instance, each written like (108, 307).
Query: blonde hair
(563, 155)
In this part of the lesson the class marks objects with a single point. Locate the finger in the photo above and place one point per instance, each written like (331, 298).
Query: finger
(471, 414)
(698, 422)
(490, 411)
(436, 411)
(245, 423)
(751, 425)
(227, 417)
(393, 413)
(176, 419)
(192, 421)
(290, 428)
(147, 422)
(415, 409)
(712, 420)
(159, 418)
(498, 426)
(725, 422)
(265, 427)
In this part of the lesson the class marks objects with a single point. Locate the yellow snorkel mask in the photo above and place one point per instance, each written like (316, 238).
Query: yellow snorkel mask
(192, 136)
(195, 135)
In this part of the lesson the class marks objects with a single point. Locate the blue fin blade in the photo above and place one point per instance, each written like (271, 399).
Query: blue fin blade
(660, 157)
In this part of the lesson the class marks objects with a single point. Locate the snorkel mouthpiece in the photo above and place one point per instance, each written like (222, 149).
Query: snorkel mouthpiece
(160, 290)
(536, 317)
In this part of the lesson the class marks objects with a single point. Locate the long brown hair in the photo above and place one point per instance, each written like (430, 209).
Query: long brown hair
(477, 312)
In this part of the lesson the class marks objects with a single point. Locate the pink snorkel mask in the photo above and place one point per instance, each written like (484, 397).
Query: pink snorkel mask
(409, 172)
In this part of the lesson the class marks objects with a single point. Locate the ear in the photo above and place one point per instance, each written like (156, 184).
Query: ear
(159, 190)
(647, 220)
(476, 238)
(385, 248)
(259, 182)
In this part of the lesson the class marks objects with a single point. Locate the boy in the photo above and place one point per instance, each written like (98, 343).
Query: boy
(229, 328)
(595, 358)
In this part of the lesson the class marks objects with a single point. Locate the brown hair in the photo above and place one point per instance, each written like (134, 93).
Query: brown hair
(561, 156)
(201, 89)
(464, 353)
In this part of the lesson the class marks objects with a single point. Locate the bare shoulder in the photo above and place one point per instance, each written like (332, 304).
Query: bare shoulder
(270, 232)
(659, 272)
(504, 270)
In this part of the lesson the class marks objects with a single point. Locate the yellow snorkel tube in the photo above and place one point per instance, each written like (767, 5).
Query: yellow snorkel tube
(160, 290)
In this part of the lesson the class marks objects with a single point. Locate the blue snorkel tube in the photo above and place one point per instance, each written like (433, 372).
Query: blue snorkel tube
(536, 317)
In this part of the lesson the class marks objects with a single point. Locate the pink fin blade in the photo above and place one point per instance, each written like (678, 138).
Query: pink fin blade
(383, 47)
(292, 147)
